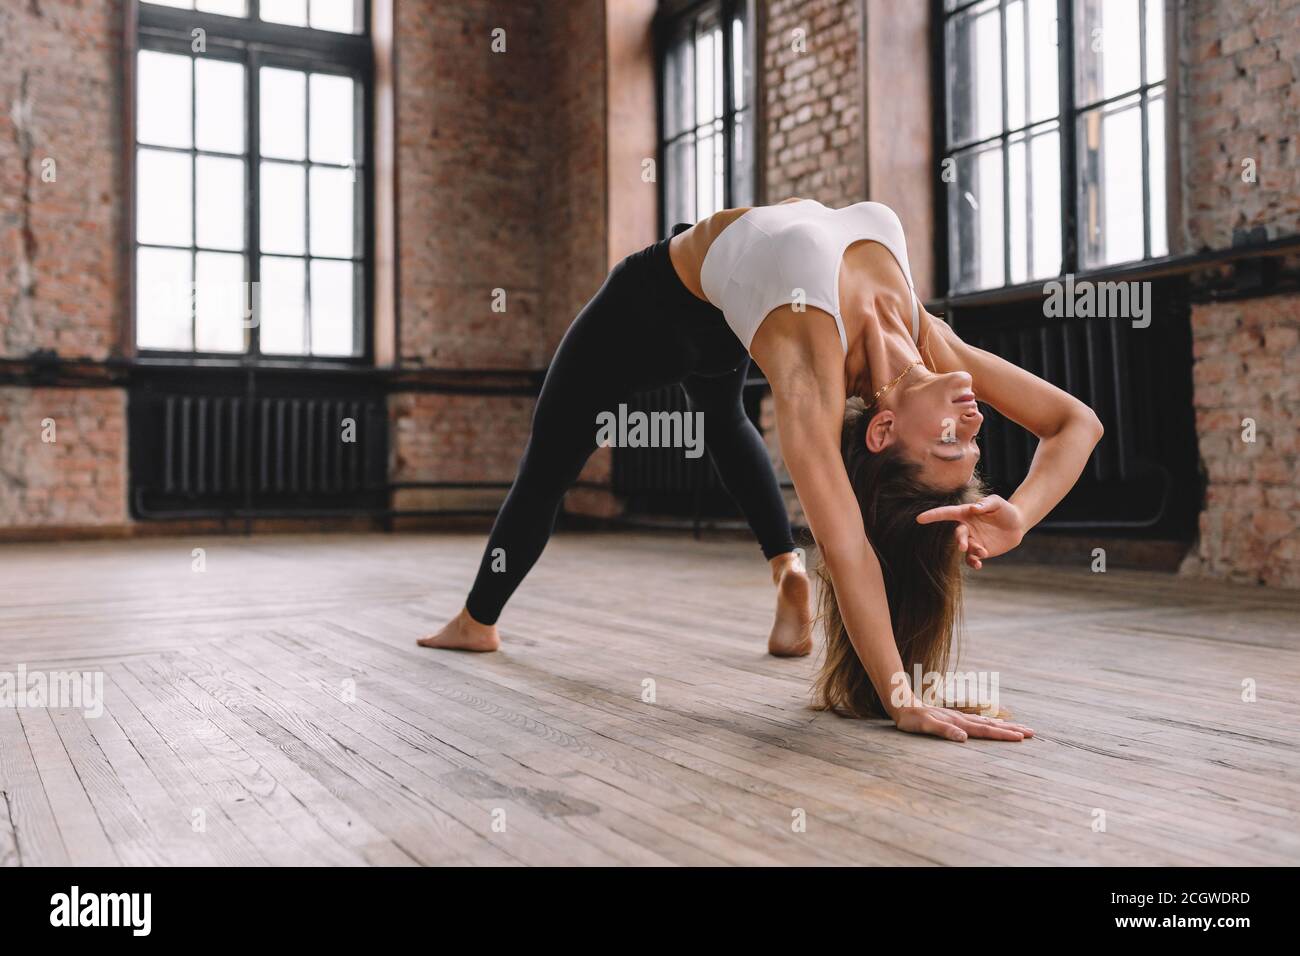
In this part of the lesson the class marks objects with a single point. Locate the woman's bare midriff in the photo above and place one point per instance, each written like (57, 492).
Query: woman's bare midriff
(688, 248)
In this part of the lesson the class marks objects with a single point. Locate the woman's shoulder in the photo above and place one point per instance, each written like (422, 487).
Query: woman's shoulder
(942, 348)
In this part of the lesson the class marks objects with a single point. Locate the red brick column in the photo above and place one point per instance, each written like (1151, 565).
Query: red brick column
(60, 259)
(811, 82)
(62, 458)
(1247, 391)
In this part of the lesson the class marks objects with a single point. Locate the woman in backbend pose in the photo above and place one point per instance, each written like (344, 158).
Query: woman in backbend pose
(877, 419)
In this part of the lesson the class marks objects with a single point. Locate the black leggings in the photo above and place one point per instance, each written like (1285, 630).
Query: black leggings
(643, 329)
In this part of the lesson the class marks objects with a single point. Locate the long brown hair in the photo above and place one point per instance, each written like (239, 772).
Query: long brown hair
(921, 565)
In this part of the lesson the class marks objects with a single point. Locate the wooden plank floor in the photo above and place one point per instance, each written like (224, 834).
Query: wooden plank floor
(273, 709)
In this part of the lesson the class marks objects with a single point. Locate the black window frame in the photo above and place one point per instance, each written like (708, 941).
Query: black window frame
(254, 44)
(1069, 110)
(672, 19)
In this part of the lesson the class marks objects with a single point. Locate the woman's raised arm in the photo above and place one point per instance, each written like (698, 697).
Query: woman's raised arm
(1067, 429)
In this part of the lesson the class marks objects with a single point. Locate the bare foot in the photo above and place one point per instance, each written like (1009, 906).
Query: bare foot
(463, 633)
(792, 631)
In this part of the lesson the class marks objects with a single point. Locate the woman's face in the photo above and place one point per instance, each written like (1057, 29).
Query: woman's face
(935, 421)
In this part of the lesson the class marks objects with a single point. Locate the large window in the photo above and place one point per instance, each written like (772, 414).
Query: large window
(1053, 129)
(707, 111)
(250, 177)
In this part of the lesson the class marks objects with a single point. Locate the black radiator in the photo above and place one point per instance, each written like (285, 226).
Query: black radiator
(245, 446)
(1144, 475)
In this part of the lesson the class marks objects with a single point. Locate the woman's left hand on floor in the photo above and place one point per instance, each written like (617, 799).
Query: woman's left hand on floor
(954, 725)
(985, 528)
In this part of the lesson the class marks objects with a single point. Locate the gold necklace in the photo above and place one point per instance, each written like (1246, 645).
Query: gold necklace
(884, 388)
(921, 361)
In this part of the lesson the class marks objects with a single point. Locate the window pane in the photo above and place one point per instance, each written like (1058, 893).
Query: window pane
(1034, 204)
(332, 192)
(1156, 164)
(1045, 194)
(697, 178)
(1044, 58)
(337, 15)
(179, 4)
(1110, 184)
(283, 113)
(163, 85)
(332, 99)
(974, 73)
(679, 86)
(282, 315)
(292, 12)
(163, 198)
(229, 8)
(219, 202)
(1108, 49)
(975, 220)
(282, 216)
(1017, 91)
(708, 76)
(719, 64)
(708, 172)
(703, 177)
(1018, 209)
(220, 298)
(679, 182)
(1032, 79)
(219, 105)
(1155, 41)
(742, 159)
(740, 65)
(163, 299)
(719, 168)
(331, 308)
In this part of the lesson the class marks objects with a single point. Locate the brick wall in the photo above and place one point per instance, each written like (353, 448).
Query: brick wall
(62, 457)
(572, 227)
(467, 193)
(60, 265)
(1241, 66)
(456, 438)
(60, 86)
(1247, 395)
(900, 161)
(502, 185)
(812, 96)
(471, 163)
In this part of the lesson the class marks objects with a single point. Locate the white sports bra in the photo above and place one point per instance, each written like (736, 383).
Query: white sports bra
(763, 259)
